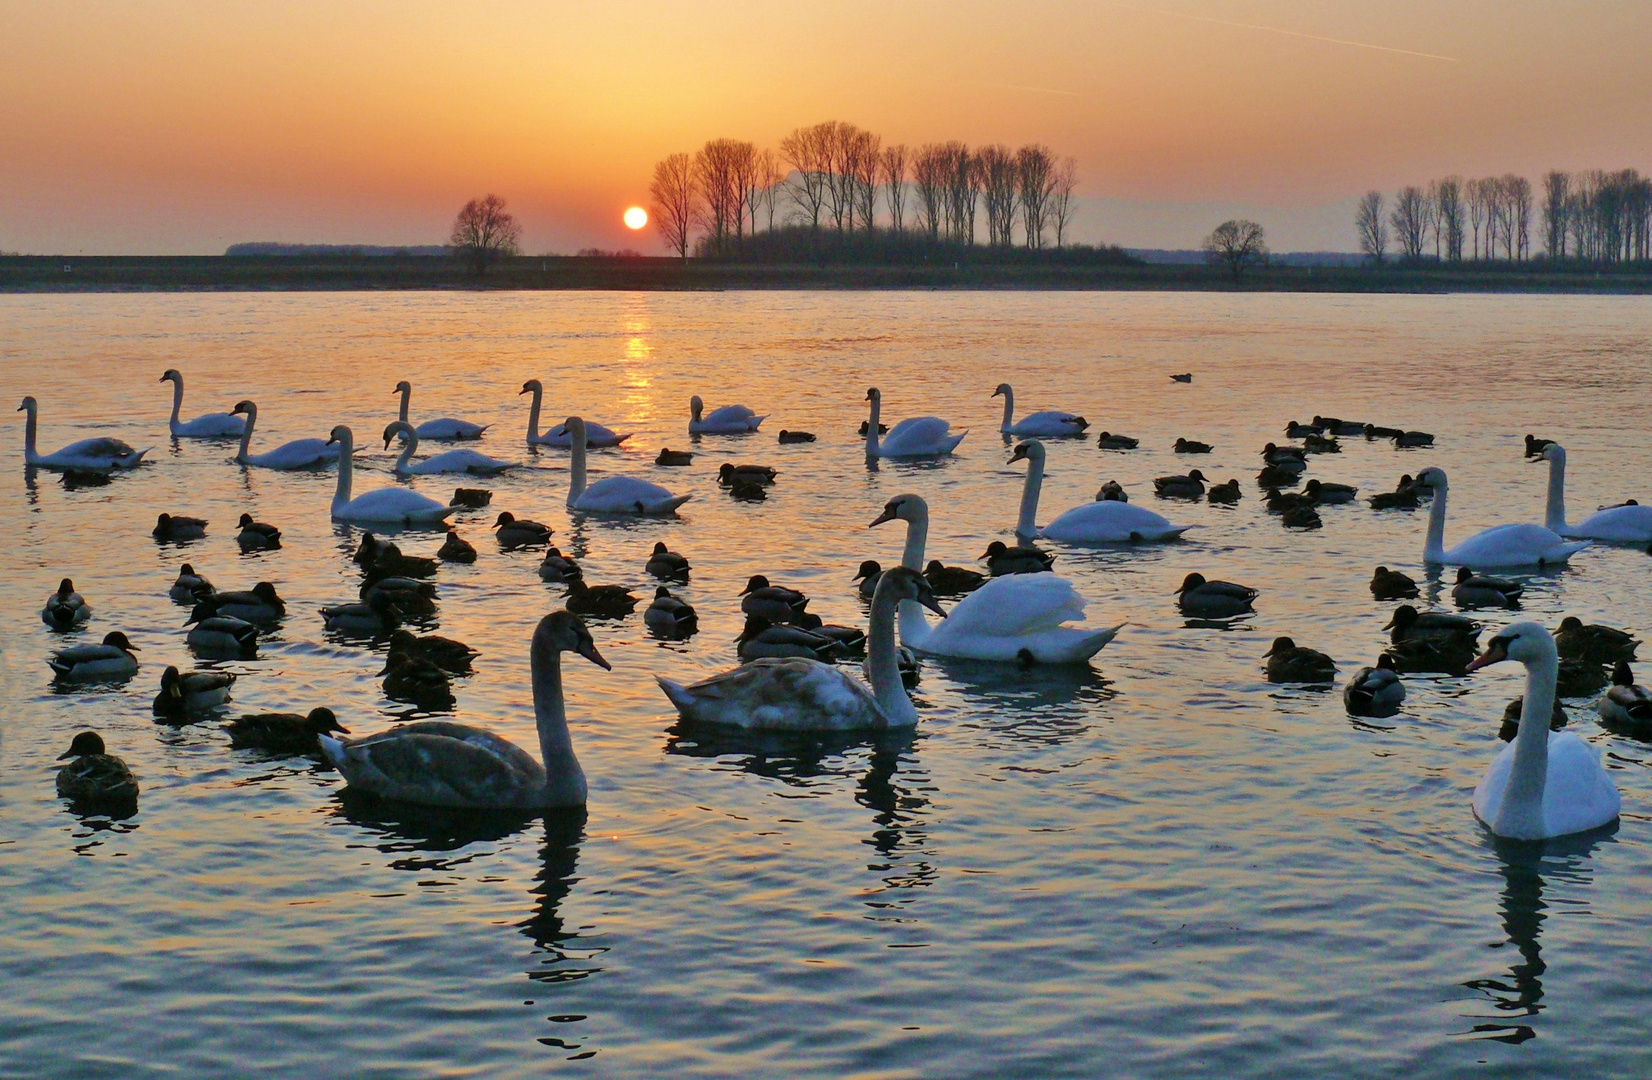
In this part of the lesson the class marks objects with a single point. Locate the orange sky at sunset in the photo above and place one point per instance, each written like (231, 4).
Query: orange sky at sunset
(175, 127)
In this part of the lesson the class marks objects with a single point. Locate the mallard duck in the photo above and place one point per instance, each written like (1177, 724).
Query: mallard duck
(1410, 440)
(1290, 458)
(259, 604)
(1330, 494)
(1626, 704)
(75, 479)
(1373, 432)
(1319, 444)
(456, 549)
(1294, 430)
(1189, 446)
(797, 436)
(1536, 446)
(1289, 662)
(665, 563)
(191, 692)
(1300, 517)
(1112, 491)
(558, 567)
(1186, 376)
(1332, 425)
(1403, 497)
(1576, 640)
(1214, 599)
(605, 601)
(1280, 501)
(172, 529)
(1191, 486)
(852, 638)
(1272, 476)
(1510, 726)
(1375, 691)
(256, 535)
(94, 776)
(389, 561)
(107, 662)
(1408, 624)
(1108, 441)
(1579, 678)
(677, 457)
(747, 490)
(1389, 584)
(65, 609)
(757, 474)
(669, 616)
(471, 498)
(220, 637)
(952, 580)
(283, 733)
(367, 550)
(868, 574)
(1226, 494)
(410, 596)
(1474, 591)
(883, 429)
(1437, 655)
(189, 587)
(376, 616)
(446, 653)
(515, 533)
(762, 639)
(1021, 559)
(773, 602)
(418, 682)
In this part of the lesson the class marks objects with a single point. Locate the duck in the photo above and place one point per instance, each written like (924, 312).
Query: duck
(65, 609)
(444, 429)
(417, 682)
(1535, 446)
(1109, 441)
(852, 638)
(1447, 656)
(867, 578)
(602, 601)
(787, 437)
(728, 473)
(1474, 591)
(1403, 497)
(1189, 446)
(1214, 599)
(1102, 522)
(1300, 517)
(220, 637)
(76, 479)
(1407, 624)
(288, 457)
(1052, 424)
(1510, 726)
(1288, 662)
(952, 580)
(1577, 640)
(175, 528)
(473, 462)
(670, 616)
(1333, 426)
(1330, 494)
(456, 549)
(914, 437)
(387, 560)
(284, 733)
(1625, 704)
(1412, 440)
(369, 618)
(667, 456)
(1494, 548)
(596, 435)
(1280, 501)
(773, 602)
(1375, 691)
(383, 506)
(1625, 523)
(93, 775)
(409, 595)
(1319, 444)
(865, 426)
(1112, 491)
(1288, 458)
(747, 490)
(1389, 584)
(761, 639)
(613, 494)
(1186, 376)
(1272, 476)
(97, 455)
(558, 567)
(451, 656)
(803, 694)
(514, 532)
(471, 498)
(183, 693)
(1544, 783)
(261, 603)
(1374, 432)
(728, 420)
(1225, 494)
(110, 661)
(1579, 678)
(1294, 430)
(441, 763)
(209, 426)
(256, 535)
(665, 563)
(1001, 559)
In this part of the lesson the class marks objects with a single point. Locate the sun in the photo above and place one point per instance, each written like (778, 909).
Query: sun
(636, 217)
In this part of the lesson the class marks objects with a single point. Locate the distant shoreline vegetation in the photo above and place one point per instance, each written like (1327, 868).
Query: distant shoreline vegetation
(344, 251)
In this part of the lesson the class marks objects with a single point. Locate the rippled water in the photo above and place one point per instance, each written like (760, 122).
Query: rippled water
(1159, 864)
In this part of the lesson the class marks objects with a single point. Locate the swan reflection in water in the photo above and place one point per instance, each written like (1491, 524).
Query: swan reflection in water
(1040, 703)
(1519, 994)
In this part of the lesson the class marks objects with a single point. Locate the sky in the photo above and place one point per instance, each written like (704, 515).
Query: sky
(176, 127)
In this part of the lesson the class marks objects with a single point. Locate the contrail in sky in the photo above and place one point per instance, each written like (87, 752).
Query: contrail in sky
(1310, 37)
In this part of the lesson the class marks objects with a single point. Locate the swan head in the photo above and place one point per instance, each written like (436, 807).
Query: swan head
(868, 569)
(1003, 388)
(86, 744)
(245, 408)
(905, 507)
(1524, 642)
(575, 427)
(532, 386)
(901, 583)
(1031, 450)
(1191, 582)
(1432, 478)
(394, 428)
(1553, 452)
(403, 387)
(172, 375)
(340, 434)
(873, 395)
(30, 405)
(696, 406)
(321, 721)
(562, 631)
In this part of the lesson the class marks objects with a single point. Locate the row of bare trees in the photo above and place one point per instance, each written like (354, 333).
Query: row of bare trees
(835, 175)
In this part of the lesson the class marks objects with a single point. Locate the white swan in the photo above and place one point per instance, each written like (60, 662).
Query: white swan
(1630, 524)
(473, 462)
(1050, 424)
(1498, 546)
(1544, 783)
(298, 454)
(206, 426)
(1107, 521)
(446, 428)
(92, 455)
(385, 506)
(916, 436)
(612, 494)
(1017, 617)
(595, 434)
(799, 694)
(729, 420)
(440, 763)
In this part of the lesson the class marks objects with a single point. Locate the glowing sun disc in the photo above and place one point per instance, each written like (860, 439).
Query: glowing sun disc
(636, 218)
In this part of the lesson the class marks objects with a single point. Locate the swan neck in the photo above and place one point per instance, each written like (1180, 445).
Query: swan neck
(246, 434)
(564, 779)
(410, 443)
(914, 627)
(177, 397)
(872, 431)
(341, 496)
(407, 394)
(576, 469)
(1434, 546)
(533, 415)
(1555, 515)
(1521, 813)
(882, 665)
(1009, 411)
(1027, 523)
(29, 432)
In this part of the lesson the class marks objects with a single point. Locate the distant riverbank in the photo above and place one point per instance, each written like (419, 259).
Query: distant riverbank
(209, 273)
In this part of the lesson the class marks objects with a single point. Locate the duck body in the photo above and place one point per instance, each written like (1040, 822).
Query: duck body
(1191, 446)
(109, 661)
(667, 564)
(1288, 662)
(1224, 494)
(604, 601)
(558, 567)
(515, 532)
(417, 682)
(260, 604)
(867, 578)
(1107, 440)
(1476, 591)
(728, 420)
(175, 528)
(371, 618)
(1050, 424)
(1107, 521)
(670, 457)
(220, 637)
(408, 595)
(283, 733)
(1412, 440)
(1330, 494)
(761, 639)
(184, 693)
(788, 437)
(1577, 640)
(1408, 624)
(288, 457)
(1494, 548)
(256, 535)
(1626, 705)
(1389, 584)
(94, 777)
(451, 656)
(65, 609)
(952, 580)
(1375, 691)
(209, 426)
(1190, 486)
(471, 498)
(775, 603)
(669, 615)
(456, 549)
(914, 437)
(383, 506)
(1002, 559)
(1214, 599)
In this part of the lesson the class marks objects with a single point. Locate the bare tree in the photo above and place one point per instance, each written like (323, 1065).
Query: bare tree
(1372, 230)
(892, 171)
(1035, 181)
(485, 232)
(1557, 191)
(1410, 221)
(758, 181)
(809, 159)
(1061, 198)
(864, 169)
(676, 197)
(1000, 186)
(930, 171)
(962, 192)
(1236, 245)
(1448, 216)
(722, 199)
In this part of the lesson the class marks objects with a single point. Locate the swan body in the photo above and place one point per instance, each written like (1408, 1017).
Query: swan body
(1499, 546)
(384, 506)
(298, 454)
(1375, 691)
(473, 462)
(1544, 783)
(613, 494)
(728, 420)
(443, 429)
(916, 436)
(1108, 521)
(210, 426)
(87, 455)
(440, 763)
(109, 661)
(1051, 424)
(1627, 524)
(595, 434)
(1011, 618)
(65, 609)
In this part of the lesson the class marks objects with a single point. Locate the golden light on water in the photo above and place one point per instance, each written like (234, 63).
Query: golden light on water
(636, 217)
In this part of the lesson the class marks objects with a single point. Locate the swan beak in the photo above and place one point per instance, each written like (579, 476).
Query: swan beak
(1496, 652)
(1018, 454)
(933, 605)
(522, 391)
(589, 651)
(331, 440)
(887, 515)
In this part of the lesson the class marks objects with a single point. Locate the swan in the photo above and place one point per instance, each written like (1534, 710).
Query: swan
(385, 506)
(453, 461)
(613, 494)
(1627, 524)
(800, 694)
(445, 428)
(1106, 522)
(298, 454)
(207, 426)
(1049, 425)
(916, 436)
(729, 420)
(1499, 546)
(1544, 783)
(440, 763)
(1012, 618)
(595, 434)
(91, 455)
